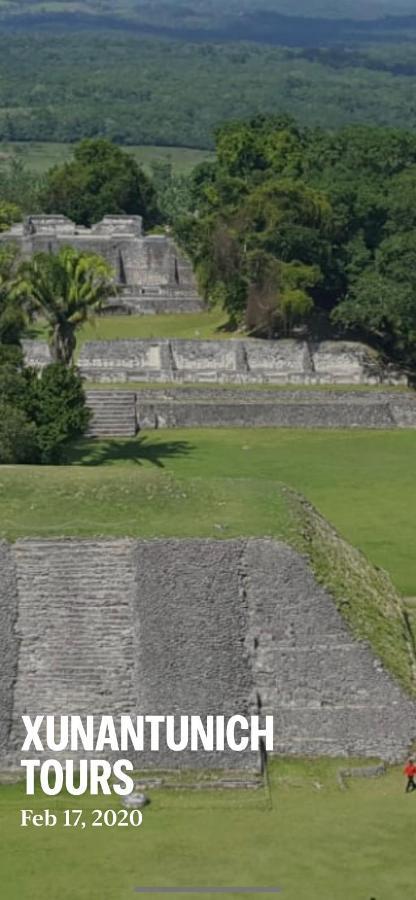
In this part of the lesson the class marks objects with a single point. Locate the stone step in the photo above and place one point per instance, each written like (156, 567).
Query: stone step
(114, 413)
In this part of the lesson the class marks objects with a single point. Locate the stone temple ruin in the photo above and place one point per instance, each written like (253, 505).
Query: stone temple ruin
(152, 275)
(193, 627)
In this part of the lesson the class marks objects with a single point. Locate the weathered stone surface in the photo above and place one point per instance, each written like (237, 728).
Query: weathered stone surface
(344, 360)
(327, 692)
(151, 273)
(113, 413)
(239, 414)
(233, 361)
(137, 800)
(122, 413)
(243, 362)
(191, 624)
(193, 627)
(74, 624)
(9, 646)
(37, 353)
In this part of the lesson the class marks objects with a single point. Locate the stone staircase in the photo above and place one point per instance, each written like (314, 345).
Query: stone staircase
(76, 603)
(114, 413)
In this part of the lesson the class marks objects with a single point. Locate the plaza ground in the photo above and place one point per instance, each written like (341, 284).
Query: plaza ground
(307, 836)
(210, 325)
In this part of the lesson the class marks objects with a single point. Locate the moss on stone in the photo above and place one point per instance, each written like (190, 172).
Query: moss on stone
(363, 593)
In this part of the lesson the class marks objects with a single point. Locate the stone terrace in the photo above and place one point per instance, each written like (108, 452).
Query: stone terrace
(123, 413)
(226, 362)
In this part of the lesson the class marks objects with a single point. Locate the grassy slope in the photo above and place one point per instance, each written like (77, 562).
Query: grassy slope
(363, 482)
(364, 595)
(40, 156)
(316, 844)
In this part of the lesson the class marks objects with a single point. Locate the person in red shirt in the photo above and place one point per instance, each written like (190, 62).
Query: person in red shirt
(410, 771)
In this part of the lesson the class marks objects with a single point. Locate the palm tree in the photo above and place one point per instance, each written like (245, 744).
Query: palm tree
(12, 317)
(67, 288)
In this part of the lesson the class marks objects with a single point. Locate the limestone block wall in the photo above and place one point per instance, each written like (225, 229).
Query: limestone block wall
(227, 362)
(216, 408)
(123, 413)
(9, 643)
(191, 626)
(234, 362)
(327, 691)
(195, 627)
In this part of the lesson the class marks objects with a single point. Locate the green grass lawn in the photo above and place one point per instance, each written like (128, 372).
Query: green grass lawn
(221, 483)
(206, 325)
(40, 156)
(312, 840)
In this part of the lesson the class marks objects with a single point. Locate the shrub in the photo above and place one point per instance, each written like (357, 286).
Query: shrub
(18, 438)
(56, 404)
(40, 414)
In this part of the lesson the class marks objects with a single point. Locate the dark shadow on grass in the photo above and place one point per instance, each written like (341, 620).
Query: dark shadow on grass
(229, 327)
(136, 450)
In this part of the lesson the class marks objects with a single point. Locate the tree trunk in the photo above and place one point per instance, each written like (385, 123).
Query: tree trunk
(62, 344)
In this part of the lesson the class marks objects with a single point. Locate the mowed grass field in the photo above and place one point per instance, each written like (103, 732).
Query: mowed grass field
(41, 156)
(209, 325)
(307, 837)
(221, 483)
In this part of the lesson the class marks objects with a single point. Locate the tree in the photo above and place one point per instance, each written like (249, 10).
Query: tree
(55, 403)
(17, 436)
(260, 247)
(381, 302)
(18, 187)
(9, 213)
(67, 288)
(12, 317)
(279, 294)
(40, 413)
(100, 180)
(173, 191)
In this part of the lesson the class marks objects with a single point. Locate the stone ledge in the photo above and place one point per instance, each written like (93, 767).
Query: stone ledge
(249, 361)
(123, 413)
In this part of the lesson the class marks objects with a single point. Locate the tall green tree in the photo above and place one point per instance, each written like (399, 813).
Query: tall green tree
(67, 289)
(381, 302)
(100, 180)
(9, 213)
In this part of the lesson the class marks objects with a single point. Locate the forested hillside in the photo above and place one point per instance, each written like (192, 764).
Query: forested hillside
(147, 91)
(167, 72)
